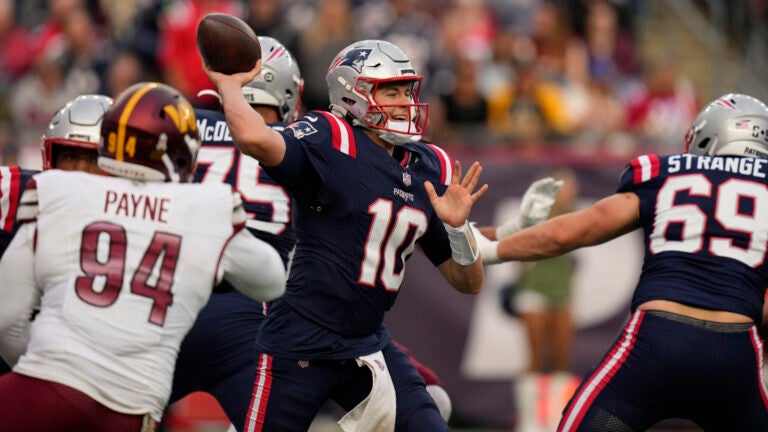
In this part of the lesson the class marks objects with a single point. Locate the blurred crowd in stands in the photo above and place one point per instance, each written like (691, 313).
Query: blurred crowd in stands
(518, 73)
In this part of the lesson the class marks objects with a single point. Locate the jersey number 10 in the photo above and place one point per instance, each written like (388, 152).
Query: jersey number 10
(392, 237)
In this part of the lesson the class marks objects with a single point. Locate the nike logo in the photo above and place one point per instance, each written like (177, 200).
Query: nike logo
(311, 118)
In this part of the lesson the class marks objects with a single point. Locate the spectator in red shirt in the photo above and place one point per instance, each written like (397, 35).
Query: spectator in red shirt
(178, 57)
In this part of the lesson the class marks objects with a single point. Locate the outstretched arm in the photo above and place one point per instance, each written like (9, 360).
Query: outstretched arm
(464, 271)
(249, 131)
(605, 220)
(253, 267)
(534, 209)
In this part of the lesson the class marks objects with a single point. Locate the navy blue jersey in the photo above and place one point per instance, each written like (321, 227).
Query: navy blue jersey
(13, 180)
(267, 204)
(705, 221)
(358, 215)
(217, 354)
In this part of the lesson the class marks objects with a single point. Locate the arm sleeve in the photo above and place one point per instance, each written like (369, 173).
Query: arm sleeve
(253, 267)
(19, 293)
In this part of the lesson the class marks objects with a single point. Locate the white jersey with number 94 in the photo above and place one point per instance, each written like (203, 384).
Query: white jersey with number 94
(122, 268)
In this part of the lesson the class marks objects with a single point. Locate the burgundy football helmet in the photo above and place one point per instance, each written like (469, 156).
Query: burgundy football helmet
(150, 133)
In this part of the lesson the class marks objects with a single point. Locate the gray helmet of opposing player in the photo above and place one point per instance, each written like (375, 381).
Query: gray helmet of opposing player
(77, 124)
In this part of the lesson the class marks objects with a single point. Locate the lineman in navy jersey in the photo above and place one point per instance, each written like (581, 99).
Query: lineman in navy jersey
(690, 348)
(366, 191)
(217, 355)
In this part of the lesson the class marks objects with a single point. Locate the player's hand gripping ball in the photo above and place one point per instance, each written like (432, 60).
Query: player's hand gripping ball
(227, 44)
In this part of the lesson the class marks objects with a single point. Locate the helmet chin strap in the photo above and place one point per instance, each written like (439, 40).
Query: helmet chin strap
(395, 132)
(742, 148)
(397, 138)
(397, 135)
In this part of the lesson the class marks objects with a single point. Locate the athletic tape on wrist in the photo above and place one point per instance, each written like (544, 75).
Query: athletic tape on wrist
(487, 247)
(463, 244)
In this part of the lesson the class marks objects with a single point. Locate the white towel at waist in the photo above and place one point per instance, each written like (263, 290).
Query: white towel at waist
(376, 413)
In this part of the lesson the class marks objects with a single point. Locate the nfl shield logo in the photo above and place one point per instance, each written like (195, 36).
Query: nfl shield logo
(303, 363)
(406, 179)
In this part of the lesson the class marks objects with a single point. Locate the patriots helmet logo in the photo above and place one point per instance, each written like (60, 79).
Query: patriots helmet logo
(355, 58)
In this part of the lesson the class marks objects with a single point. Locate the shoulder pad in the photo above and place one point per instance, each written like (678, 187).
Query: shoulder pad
(644, 168)
(445, 163)
(342, 137)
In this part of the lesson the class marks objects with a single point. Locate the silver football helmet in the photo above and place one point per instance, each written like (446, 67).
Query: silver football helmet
(279, 84)
(355, 76)
(77, 124)
(734, 124)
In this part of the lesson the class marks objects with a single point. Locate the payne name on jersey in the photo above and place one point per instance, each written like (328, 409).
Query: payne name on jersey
(136, 206)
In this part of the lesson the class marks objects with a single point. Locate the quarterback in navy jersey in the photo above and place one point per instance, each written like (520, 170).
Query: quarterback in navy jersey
(690, 348)
(217, 355)
(69, 143)
(366, 191)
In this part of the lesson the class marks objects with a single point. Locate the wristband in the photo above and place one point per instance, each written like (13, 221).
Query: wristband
(463, 245)
(486, 247)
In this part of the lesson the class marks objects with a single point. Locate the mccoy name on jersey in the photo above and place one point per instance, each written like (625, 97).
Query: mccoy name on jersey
(676, 193)
(267, 204)
(337, 174)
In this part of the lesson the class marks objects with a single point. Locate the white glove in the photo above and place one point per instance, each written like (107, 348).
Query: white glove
(485, 246)
(442, 400)
(537, 202)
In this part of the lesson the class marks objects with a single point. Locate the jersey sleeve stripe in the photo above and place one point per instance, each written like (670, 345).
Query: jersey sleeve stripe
(10, 179)
(343, 140)
(646, 167)
(446, 167)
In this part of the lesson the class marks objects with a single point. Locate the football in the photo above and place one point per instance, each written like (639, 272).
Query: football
(227, 44)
